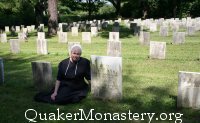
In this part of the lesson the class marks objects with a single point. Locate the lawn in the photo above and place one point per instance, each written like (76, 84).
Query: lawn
(149, 85)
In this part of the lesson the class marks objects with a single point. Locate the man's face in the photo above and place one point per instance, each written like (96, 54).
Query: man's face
(75, 55)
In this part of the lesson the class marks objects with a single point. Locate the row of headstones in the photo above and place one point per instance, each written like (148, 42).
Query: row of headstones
(21, 36)
(106, 80)
(20, 28)
(178, 38)
(86, 25)
(164, 30)
(190, 26)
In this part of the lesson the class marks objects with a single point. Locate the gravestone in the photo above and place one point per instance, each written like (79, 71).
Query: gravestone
(113, 36)
(41, 35)
(86, 37)
(3, 37)
(189, 90)
(144, 38)
(178, 37)
(164, 31)
(62, 37)
(22, 37)
(33, 27)
(14, 46)
(133, 27)
(74, 31)
(191, 30)
(94, 31)
(157, 50)
(114, 48)
(42, 75)
(42, 46)
(7, 29)
(1, 71)
(17, 28)
(29, 29)
(70, 44)
(106, 77)
(153, 27)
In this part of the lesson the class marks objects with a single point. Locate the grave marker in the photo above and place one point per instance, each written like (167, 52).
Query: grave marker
(106, 77)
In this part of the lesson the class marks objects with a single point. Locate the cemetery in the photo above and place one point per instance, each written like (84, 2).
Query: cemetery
(149, 65)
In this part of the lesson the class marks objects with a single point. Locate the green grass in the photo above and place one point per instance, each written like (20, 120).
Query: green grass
(149, 85)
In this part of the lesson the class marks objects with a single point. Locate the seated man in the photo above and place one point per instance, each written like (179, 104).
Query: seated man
(70, 86)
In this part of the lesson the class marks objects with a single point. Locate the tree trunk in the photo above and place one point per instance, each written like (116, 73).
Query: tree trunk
(53, 17)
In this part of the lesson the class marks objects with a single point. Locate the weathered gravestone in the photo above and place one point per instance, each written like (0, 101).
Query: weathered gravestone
(114, 48)
(113, 36)
(94, 31)
(70, 44)
(144, 38)
(33, 27)
(62, 37)
(189, 90)
(164, 31)
(1, 71)
(178, 37)
(42, 75)
(41, 44)
(74, 31)
(14, 45)
(3, 37)
(106, 77)
(157, 50)
(86, 37)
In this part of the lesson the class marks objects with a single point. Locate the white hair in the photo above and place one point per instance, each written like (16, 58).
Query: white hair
(76, 47)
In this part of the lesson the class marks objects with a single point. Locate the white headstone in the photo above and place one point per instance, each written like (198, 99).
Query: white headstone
(17, 28)
(3, 37)
(178, 37)
(113, 36)
(144, 38)
(114, 48)
(153, 27)
(106, 77)
(14, 45)
(7, 29)
(94, 31)
(1, 71)
(41, 35)
(191, 30)
(21, 36)
(74, 31)
(86, 37)
(42, 46)
(189, 90)
(164, 31)
(157, 50)
(62, 37)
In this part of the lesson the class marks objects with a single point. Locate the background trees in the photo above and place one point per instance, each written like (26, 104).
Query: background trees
(50, 12)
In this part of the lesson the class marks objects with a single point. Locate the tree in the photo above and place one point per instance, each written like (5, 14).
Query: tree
(117, 5)
(53, 17)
